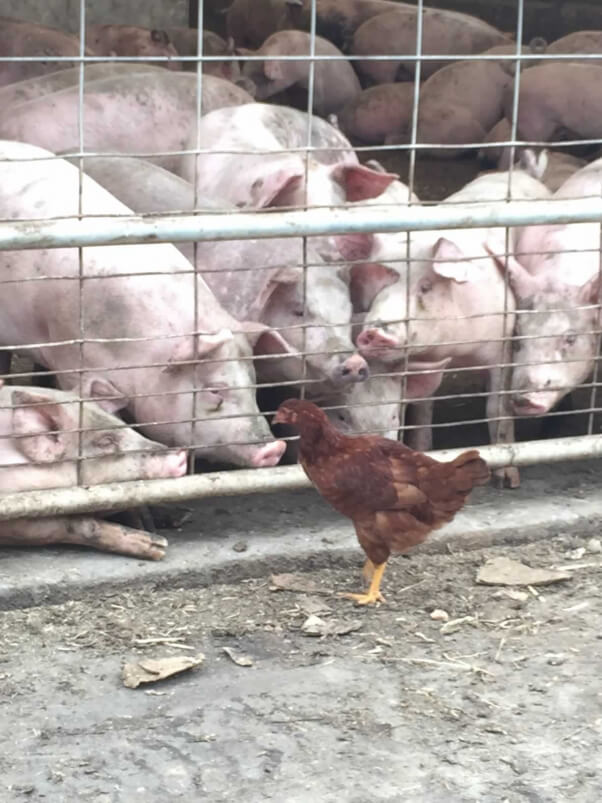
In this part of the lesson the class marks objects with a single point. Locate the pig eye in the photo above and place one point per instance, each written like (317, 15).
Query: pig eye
(570, 338)
(215, 398)
(298, 313)
(425, 286)
(106, 443)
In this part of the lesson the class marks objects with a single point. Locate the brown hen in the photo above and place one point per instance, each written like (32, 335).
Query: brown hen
(394, 495)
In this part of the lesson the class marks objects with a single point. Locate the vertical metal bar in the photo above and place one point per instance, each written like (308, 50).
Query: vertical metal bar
(411, 181)
(308, 155)
(80, 250)
(596, 372)
(195, 277)
(502, 404)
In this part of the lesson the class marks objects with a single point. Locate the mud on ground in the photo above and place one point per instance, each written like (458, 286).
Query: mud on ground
(504, 706)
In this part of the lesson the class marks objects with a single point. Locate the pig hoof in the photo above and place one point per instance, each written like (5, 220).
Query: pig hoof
(155, 546)
(508, 477)
(138, 544)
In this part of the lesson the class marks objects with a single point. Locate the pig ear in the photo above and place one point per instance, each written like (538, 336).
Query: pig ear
(42, 426)
(231, 47)
(206, 343)
(104, 393)
(159, 37)
(420, 385)
(360, 182)
(241, 51)
(265, 340)
(354, 247)
(282, 277)
(590, 292)
(276, 188)
(273, 70)
(450, 262)
(523, 284)
(366, 281)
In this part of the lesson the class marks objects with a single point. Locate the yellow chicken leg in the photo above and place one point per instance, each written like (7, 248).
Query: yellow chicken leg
(368, 571)
(373, 594)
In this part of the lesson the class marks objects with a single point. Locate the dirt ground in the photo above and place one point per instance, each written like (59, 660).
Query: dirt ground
(500, 703)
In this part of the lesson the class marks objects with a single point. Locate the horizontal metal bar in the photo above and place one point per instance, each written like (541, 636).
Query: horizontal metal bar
(64, 232)
(63, 501)
(416, 57)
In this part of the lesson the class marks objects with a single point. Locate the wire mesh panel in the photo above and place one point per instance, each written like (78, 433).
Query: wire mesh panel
(387, 209)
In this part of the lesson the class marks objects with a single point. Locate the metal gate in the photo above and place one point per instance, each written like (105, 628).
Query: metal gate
(82, 231)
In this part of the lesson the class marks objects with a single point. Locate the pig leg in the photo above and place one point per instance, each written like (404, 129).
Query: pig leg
(421, 438)
(501, 431)
(85, 531)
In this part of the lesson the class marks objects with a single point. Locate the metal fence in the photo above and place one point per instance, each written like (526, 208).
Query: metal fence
(96, 258)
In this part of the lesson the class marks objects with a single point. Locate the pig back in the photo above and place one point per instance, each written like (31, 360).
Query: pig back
(21, 38)
(32, 88)
(127, 114)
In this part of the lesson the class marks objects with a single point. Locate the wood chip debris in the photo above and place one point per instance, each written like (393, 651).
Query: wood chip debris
(238, 658)
(151, 670)
(506, 572)
(314, 626)
(455, 624)
(512, 593)
(439, 615)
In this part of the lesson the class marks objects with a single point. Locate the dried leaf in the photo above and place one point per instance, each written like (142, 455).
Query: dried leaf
(295, 582)
(238, 658)
(507, 572)
(150, 670)
(314, 606)
(314, 626)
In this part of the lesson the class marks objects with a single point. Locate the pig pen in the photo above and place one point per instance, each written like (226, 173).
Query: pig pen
(569, 430)
(454, 690)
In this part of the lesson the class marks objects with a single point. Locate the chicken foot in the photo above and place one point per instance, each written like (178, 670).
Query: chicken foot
(373, 595)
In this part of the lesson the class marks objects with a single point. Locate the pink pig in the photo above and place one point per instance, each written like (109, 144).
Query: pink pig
(39, 450)
(335, 82)
(242, 169)
(456, 304)
(132, 40)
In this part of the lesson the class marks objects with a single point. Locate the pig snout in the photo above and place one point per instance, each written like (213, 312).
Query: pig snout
(268, 455)
(351, 370)
(170, 464)
(376, 343)
(534, 402)
(535, 395)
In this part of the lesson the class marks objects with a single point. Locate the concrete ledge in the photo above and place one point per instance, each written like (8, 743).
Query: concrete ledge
(233, 539)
